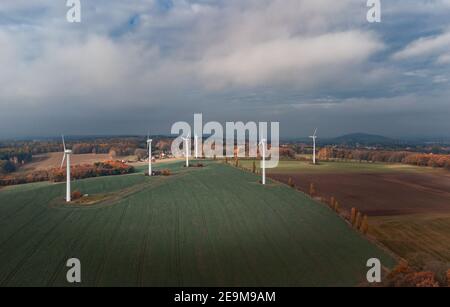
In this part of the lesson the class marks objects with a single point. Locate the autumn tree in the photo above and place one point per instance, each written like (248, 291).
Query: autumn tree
(337, 207)
(358, 220)
(364, 225)
(332, 201)
(312, 189)
(353, 216)
(404, 275)
(291, 182)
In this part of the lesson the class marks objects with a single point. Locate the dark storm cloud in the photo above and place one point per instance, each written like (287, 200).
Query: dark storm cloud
(136, 65)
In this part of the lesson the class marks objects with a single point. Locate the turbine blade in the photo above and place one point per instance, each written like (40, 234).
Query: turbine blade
(62, 162)
(64, 143)
(315, 132)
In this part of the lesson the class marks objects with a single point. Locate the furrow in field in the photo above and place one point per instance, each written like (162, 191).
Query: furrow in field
(32, 250)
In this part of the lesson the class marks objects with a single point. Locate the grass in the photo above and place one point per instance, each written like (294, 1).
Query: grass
(171, 165)
(338, 167)
(212, 226)
(412, 236)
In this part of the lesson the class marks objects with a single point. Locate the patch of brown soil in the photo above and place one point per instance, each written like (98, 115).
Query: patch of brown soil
(380, 194)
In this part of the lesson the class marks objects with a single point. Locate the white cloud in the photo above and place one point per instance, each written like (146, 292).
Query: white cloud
(193, 45)
(297, 59)
(425, 46)
(171, 59)
(408, 7)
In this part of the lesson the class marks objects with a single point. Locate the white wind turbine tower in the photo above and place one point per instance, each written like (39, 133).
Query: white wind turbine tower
(314, 137)
(149, 148)
(196, 146)
(262, 150)
(186, 147)
(67, 153)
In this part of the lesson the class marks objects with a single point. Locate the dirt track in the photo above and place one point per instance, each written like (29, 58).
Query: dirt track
(380, 194)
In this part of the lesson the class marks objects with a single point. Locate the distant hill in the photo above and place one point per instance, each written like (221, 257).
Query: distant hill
(362, 139)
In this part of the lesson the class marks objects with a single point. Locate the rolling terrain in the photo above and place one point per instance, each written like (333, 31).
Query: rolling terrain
(211, 226)
(408, 206)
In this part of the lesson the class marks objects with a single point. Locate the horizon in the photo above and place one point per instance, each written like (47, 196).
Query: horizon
(282, 138)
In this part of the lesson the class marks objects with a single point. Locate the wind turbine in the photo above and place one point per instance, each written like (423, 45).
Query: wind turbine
(196, 146)
(186, 146)
(149, 148)
(67, 153)
(262, 150)
(314, 137)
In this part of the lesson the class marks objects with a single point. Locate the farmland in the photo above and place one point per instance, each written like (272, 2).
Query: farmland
(53, 159)
(419, 237)
(291, 167)
(408, 206)
(211, 226)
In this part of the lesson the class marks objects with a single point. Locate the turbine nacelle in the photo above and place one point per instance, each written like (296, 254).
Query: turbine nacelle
(66, 152)
(314, 136)
(149, 141)
(188, 137)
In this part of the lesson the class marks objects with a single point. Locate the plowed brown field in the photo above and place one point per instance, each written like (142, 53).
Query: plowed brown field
(380, 194)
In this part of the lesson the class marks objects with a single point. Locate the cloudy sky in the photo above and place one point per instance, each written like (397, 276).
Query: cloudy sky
(135, 65)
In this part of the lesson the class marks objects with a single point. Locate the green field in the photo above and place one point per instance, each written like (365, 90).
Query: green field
(337, 167)
(416, 237)
(212, 226)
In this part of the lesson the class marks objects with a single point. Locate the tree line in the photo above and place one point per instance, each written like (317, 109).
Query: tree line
(14, 154)
(412, 158)
(11, 158)
(99, 169)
